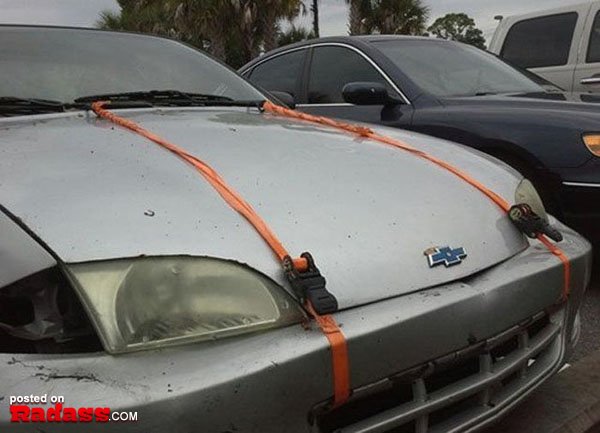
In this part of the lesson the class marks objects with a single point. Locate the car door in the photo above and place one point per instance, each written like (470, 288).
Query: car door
(331, 67)
(587, 73)
(547, 45)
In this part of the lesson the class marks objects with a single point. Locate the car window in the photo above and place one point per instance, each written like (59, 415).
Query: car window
(281, 73)
(334, 67)
(64, 64)
(593, 54)
(445, 68)
(540, 42)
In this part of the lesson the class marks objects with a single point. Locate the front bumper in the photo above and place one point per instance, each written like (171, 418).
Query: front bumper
(461, 391)
(277, 381)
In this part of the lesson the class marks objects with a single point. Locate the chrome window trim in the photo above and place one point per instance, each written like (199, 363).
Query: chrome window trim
(337, 44)
(582, 184)
(244, 71)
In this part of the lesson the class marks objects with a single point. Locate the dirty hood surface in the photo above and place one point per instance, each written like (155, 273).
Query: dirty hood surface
(92, 191)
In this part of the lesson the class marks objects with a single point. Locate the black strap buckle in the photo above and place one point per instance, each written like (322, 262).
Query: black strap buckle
(531, 223)
(310, 285)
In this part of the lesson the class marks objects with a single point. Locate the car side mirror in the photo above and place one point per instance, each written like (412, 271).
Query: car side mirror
(367, 93)
(284, 97)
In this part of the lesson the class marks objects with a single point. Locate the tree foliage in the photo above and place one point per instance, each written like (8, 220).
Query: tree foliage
(236, 31)
(233, 30)
(458, 27)
(407, 17)
(402, 17)
(359, 16)
(293, 34)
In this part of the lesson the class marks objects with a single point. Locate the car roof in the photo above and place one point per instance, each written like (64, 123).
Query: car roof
(378, 38)
(359, 41)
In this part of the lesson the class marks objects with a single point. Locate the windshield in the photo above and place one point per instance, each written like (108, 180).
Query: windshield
(448, 69)
(64, 64)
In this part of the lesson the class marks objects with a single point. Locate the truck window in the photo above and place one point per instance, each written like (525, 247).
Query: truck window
(593, 54)
(540, 42)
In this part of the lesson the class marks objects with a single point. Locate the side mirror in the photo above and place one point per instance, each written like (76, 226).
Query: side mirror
(367, 93)
(283, 97)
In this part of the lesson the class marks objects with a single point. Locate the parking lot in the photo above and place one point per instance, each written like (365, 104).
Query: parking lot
(590, 320)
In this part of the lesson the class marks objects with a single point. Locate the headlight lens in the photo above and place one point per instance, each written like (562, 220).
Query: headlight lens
(527, 194)
(154, 301)
(592, 141)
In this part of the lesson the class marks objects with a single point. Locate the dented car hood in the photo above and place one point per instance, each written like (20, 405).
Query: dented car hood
(91, 190)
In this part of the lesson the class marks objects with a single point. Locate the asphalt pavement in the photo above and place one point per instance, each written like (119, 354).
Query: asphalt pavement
(590, 318)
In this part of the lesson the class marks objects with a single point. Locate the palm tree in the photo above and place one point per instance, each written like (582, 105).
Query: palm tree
(359, 16)
(232, 30)
(200, 23)
(271, 12)
(314, 8)
(293, 34)
(406, 17)
(148, 16)
(110, 20)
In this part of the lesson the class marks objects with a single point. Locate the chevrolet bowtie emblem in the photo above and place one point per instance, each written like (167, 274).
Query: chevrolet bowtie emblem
(446, 255)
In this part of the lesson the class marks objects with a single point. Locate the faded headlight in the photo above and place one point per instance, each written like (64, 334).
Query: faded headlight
(155, 301)
(527, 194)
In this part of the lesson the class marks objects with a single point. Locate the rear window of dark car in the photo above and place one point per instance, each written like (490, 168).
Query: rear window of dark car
(540, 42)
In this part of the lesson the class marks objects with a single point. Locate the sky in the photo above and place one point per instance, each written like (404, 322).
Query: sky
(333, 13)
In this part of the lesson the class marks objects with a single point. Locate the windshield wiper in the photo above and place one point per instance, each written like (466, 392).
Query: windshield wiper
(13, 106)
(164, 98)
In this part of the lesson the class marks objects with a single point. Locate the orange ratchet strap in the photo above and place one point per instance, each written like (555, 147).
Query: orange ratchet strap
(326, 322)
(365, 132)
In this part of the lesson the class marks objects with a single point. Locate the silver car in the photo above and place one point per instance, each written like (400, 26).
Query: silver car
(128, 286)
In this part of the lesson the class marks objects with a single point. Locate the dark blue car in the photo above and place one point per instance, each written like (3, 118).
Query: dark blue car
(457, 92)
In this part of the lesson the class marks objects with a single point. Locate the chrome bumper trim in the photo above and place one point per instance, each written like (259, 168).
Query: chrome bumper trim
(582, 184)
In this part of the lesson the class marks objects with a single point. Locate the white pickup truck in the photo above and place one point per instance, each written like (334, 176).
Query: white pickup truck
(562, 45)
